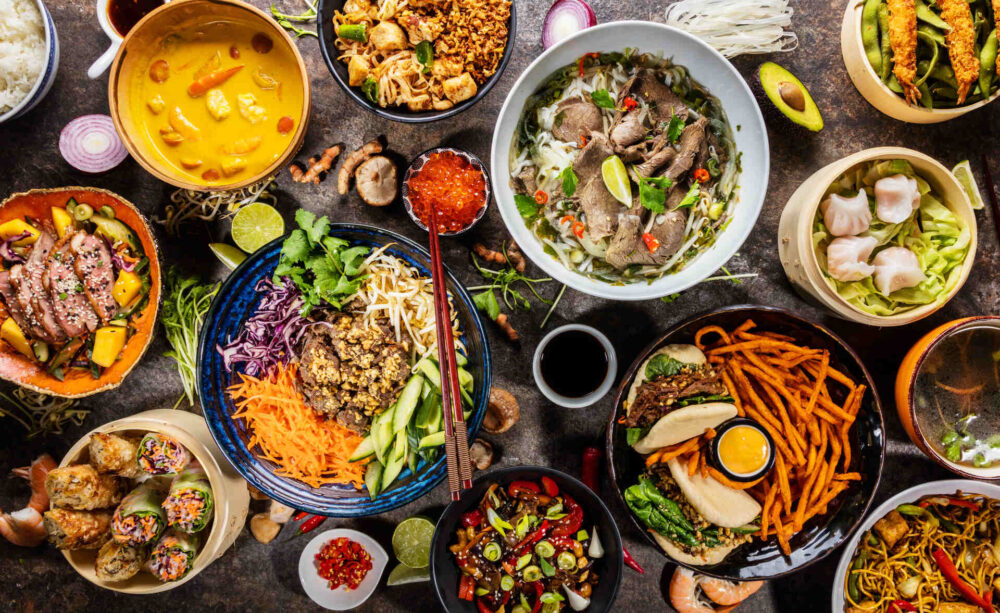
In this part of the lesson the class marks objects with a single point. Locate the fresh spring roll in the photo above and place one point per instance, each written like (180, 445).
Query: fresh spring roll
(159, 454)
(114, 454)
(77, 529)
(140, 518)
(117, 562)
(173, 556)
(189, 503)
(82, 488)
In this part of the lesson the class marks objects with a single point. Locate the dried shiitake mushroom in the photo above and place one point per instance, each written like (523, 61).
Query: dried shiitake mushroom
(263, 528)
(256, 494)
(481, 454)
(502, 412)
(376, 181)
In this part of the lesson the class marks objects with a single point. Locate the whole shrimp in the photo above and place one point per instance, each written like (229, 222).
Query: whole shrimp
(25, 527)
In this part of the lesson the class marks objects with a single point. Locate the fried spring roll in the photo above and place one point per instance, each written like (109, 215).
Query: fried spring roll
(77, 529)
(82, 488)
(117, 562)
(114, 454)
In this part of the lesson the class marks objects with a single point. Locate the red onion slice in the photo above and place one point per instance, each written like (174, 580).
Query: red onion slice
(565, 18)
(90, 144)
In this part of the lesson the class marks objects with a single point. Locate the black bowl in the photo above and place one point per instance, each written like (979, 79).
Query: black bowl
(338, 69)
(822, 534)
(445, 573)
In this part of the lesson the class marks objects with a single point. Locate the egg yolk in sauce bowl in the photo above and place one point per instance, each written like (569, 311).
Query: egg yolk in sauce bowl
(743, 450)
(218, 103)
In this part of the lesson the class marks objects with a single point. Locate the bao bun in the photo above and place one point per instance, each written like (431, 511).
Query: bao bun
(685, 354)
(681, 424)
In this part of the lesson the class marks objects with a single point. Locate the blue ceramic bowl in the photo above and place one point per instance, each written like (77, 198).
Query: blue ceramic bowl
(236, 302)
(48, 74)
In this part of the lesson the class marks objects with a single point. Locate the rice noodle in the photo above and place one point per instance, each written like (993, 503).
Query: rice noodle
(736, 27)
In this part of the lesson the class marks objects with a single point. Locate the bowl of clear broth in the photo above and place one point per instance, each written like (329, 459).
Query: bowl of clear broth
(209, 95)
(574, 366)
(948, 396)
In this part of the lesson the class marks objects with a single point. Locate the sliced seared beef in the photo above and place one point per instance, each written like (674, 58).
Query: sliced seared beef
(576, 117)
(691, 141)
(593, 154)
(10, 301)
(524, 182)
(629, 130)
(662, 103)
(627, 246)
(32, 295)
(92, 263)
(72, 308)
(602, 209)
(656, 398)
(655, 161)
(633, 153)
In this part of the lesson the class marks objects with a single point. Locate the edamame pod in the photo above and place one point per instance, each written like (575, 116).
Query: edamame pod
(869, 34)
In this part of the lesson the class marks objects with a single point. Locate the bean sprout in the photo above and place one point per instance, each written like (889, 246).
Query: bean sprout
(188, 205)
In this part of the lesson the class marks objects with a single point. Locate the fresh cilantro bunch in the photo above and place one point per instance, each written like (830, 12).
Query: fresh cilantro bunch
(324, 268)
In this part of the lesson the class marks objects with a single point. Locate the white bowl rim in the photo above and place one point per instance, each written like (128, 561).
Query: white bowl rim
(638, 290)
(946, 486)
(51, 48)
(316, 587)
(588, 399)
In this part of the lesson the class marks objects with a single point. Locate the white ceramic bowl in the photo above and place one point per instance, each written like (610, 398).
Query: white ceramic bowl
(48, 74)
(949, 486)
(707, 67)
(592, 397)
(340, 599)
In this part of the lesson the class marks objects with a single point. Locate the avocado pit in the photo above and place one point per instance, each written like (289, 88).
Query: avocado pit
(792, 95)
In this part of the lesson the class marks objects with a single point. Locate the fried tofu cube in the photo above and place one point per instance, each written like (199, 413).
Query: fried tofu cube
(460, 88)
(419, 103)
(233, 166)
(156, 104)
(218, 105)
(357, 70)
(957, 607)
(356, 6)
(446, 68)
(387, 36)
(891, 528)
(251, 111)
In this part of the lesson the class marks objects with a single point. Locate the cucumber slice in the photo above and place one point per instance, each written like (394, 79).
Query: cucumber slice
(432, 440)
(430, 370)
(460, 358)
(373, 478)
(399, 447)
(407, 402)
(411, 460)
(430, 405)
(364, 450)
(115, 230)
(392, 471)
(465, 380)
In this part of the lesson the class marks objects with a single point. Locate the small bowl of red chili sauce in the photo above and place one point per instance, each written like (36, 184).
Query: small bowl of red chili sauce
(340, 569)
(455, 181)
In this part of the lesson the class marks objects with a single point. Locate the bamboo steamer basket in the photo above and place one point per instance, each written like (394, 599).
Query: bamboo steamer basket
(232, 498)
(795, 246)
(871, 86)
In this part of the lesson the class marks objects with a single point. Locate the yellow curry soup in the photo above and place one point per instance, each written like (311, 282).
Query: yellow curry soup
(217, 103)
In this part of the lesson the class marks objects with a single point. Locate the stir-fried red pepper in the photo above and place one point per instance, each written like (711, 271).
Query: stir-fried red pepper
(550, 487)
(523, 486)
(539, 588)
(958, 502)
(571, 523)
(951, 574)
(898, 606)
(343, 562)
(467, 588)
(472, 519)
(532, 538)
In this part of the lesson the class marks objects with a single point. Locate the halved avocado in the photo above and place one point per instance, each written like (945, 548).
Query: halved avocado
(789, 95)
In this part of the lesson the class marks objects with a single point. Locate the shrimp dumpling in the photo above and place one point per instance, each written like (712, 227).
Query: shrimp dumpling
(847, 257)
(846, 216)
(896, 198)
(896, 268)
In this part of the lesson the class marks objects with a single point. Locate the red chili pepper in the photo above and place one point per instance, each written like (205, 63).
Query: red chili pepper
(523, 485)
(541, 197)
(629, 103)
(481, 605)
(901, 605)
(562, 542)
(988, 596)
(532, 538)
(301, 515)
(578, 228)
(632, 563)
(583, 141)
(958, 502)
(571, 523)
(539, 589)
(951, 574)
(472, 519)
(550, 486)
(584, 57)
(701, 175)
(466, 588)
(310, 524)
(566, 219)
(343, 562)
(652, 243)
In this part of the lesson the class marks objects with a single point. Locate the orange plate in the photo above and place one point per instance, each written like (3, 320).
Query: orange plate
(18, 369)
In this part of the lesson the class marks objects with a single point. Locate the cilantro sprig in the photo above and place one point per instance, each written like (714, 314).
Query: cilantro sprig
(602, 99)
(675, 128)
(653, 192)
(324, 268)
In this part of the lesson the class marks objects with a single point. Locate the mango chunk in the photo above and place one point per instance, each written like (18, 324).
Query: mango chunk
(62, 220)
(218, 105)
(12, 333)
(126, 288)
(108, 343)
(14, 227)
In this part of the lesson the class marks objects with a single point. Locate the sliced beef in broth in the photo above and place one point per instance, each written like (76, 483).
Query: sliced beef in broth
(627, 246)
(575, 118)
(524, 182)
(601, 208)
(691, 142)
(588, 162)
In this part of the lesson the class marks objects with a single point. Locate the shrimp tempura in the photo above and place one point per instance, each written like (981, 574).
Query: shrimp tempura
(903, 40)
(961, 40)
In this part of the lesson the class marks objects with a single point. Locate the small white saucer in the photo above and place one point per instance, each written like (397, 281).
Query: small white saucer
(340, 599)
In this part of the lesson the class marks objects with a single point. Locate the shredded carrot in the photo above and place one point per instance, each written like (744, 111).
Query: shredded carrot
(303, 445)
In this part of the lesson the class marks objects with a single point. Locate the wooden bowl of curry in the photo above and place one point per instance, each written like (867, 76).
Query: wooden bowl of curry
(210, 95)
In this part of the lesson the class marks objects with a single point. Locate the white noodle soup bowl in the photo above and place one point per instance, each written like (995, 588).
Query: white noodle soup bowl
(706, 66)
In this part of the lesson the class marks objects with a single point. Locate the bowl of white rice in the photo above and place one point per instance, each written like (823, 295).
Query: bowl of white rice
(29, 56)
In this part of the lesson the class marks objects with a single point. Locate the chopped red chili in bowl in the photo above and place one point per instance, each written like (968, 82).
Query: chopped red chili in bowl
(343, 562)
(455, 184)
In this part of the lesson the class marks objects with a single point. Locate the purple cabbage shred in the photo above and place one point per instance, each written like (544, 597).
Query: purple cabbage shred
(7, 249)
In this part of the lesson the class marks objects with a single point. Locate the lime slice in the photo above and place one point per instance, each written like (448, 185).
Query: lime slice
(255, 225)
(963, 172)
(411, 541)
(230, 256)
(616, 179)
(403, 574)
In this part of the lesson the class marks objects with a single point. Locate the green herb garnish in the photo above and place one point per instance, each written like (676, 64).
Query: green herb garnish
(370, 89)
(653, 192)
(526, 206)
(602, 99)
(569, 181)
(690, 198)
(288, 21)
(675, 128)
(425, 55)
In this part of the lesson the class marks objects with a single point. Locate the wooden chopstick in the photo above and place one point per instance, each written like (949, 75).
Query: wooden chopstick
(456, 437)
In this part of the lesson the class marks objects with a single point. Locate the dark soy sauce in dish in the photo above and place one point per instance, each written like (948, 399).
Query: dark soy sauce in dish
(126, 13)
(574, 363)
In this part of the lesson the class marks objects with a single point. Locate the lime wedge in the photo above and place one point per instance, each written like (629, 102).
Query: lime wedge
(230, 256)
(616, 179)
(403, 574)
(411, 541)
(963, 172)
(255, 225)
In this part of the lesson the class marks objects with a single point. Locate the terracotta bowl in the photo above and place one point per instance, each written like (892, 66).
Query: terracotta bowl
(17, 368)
(232, 498)
(877, 93)
(132, 56)
(795, 246)
(906, 378)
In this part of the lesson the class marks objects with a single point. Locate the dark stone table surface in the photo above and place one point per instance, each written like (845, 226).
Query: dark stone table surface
(256, 577)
